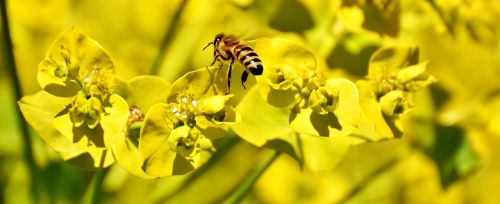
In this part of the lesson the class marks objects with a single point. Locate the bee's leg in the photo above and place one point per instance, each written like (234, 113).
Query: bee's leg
(216, 58)
(229, 76)
(226, 58)
(220, 62)
(244, 77)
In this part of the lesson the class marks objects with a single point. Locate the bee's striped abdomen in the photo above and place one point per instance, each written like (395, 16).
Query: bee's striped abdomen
(249, 59)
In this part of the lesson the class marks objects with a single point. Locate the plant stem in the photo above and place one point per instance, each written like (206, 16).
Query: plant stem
(441, 14)
(97, 186)
(10, 66)
(245, 186)
(368, 179)
(167, 39)
(98, 180)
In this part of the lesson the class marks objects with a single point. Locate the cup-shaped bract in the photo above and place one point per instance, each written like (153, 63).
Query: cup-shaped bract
(76, 62)
(176, 135)
(286, 66)
(333, 110)
(80, 117)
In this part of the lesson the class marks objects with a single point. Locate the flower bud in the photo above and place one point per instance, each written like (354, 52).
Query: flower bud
(323, 101)
(85, 110)
(394, 103)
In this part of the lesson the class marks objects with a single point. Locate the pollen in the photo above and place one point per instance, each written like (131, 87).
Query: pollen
(185, 110)
(87, 79)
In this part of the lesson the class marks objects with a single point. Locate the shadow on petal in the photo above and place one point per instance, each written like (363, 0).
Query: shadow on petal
(322, 122)
(94, 135)
(181, 166)
(69, 89)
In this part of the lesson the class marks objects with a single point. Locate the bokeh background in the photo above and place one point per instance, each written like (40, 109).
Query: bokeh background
(448, 154)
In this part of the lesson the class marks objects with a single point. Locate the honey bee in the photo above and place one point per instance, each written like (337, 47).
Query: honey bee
(229, 47)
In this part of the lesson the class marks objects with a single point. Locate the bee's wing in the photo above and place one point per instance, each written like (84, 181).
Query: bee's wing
(270, 48)
(250, 43)
(251, 39)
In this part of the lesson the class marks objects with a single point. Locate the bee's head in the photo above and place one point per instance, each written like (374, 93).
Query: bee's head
(216, 41)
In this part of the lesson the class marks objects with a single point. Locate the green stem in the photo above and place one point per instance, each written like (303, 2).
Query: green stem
(368, 179)
(98, 180)
(245, 186)
(167, 39)
(23, 127)
(97, 186)
(441, 14)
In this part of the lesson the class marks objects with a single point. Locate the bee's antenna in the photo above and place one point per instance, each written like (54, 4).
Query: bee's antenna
(211, 43)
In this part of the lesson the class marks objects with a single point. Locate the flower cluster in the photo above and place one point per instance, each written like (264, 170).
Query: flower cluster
(314, 115)
(154, 129)
(393, 79)
(294, 83)
(177, 132)
(93, 118)
(80, 110)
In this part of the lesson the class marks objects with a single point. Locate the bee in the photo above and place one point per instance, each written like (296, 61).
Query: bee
(230, 48)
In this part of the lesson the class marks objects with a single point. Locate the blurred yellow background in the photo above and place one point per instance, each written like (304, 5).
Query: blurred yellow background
(448, 153)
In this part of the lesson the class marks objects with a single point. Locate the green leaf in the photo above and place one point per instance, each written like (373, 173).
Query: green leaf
(260, 128)
(204, 82)
(323, 154)
(374, 125)
(155, 130)
(281, 51)
(143, 92)
(271, 129)
(215, 104)
(121, 88)
(40, 109)
(147, 91)
(114, 120)
(286, 65)
(127, 154)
